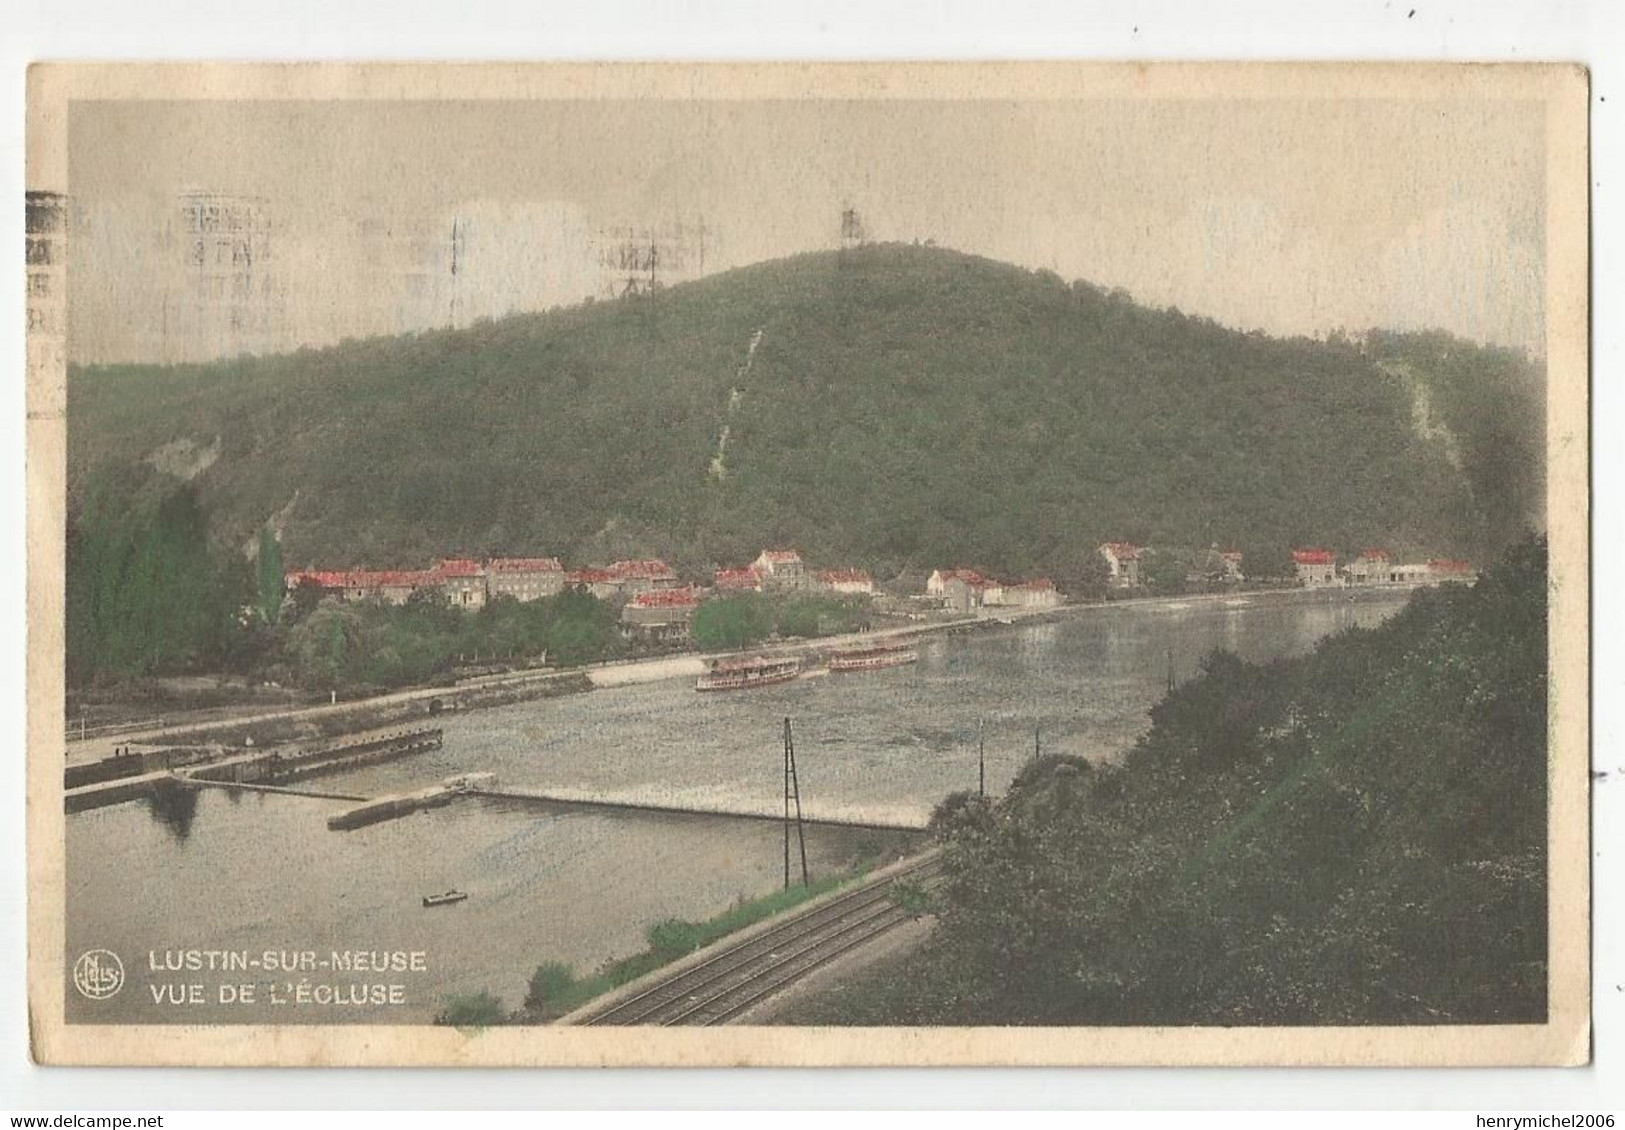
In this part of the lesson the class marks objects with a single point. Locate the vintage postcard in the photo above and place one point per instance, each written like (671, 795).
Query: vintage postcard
(808, 564)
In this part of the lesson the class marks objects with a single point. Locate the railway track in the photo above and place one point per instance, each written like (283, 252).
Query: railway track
(726, 984)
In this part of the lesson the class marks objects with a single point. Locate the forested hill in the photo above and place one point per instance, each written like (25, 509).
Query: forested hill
(1356, 836)
(901, 406)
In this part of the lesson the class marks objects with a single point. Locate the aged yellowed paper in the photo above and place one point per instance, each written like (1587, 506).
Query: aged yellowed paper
(808, 564)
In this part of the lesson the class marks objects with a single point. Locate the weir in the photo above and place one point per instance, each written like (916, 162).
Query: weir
(403, 804)
(282, 764)
(104, 793)
(129, 776)
(279, 790)
(887, 820)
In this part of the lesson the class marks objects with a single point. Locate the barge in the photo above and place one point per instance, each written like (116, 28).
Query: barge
(740, 674)
(872, 658)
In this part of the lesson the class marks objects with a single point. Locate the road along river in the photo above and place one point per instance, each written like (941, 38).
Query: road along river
(209, 898)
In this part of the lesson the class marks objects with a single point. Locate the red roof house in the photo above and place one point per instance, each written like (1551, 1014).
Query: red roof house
(458, 567)
(524, 565)
(939, 579)
(394, 585)
(845, 580)
(1123, 559)
(524, 578)
(738, 580)
(666, 598)
(1316, 567)
(463, 580)
(661, 613)
(781, 568)
(642, 571)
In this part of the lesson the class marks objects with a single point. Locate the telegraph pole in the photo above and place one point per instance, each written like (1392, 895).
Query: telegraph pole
(792, 795)
(787, 804)
(981, 759)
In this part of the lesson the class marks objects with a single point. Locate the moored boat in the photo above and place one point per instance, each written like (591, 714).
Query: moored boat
(872, 658)
(738, 674)
(444, 899)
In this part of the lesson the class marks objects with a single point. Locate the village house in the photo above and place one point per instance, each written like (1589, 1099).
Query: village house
(660, 614)
(1040, 593)
(737, 580)
(1317, 568)
(523, 578)
(397, 586)
(781, 569)
(1372, 567)
(937, 583)
(601, 583)
(1410, 573)
(642, 576)
(327, 580)
(855, 582)
(959, 589)
(393, 586)
(462, 579)
(1123, 559)
(962, 595)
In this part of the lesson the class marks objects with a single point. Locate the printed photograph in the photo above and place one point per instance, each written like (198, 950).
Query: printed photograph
(916, 557)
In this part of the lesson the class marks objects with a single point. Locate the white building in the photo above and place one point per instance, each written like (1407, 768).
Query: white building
(781, 568)
(1123, 559)
(1317, 568)
(852, 582)
(523, 578)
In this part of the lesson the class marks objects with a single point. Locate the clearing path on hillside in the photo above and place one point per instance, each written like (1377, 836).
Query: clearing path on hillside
(719, 461)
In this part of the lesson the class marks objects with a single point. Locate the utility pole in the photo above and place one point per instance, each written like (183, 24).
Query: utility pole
(981, 759)
(1170, 670)
(1037, 743)
(792, 794)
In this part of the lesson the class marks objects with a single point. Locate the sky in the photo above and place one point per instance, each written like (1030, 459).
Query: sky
(1280, 215)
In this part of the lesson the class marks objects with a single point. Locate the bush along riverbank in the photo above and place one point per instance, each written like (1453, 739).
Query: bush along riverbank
(555, 989)
(1357, 836)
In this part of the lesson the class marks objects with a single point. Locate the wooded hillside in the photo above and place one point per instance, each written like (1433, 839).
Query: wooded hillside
(903, 407)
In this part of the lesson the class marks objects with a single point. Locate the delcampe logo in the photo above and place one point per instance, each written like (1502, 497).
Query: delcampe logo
(98, 974)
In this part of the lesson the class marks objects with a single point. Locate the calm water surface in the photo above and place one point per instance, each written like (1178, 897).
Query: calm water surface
(247, 873)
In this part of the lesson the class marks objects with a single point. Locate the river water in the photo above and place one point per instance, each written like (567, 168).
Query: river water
(161, 884)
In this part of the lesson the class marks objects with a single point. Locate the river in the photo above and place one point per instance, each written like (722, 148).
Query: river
(245, 873)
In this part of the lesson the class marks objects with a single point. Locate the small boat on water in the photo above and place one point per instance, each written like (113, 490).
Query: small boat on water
(445, 899)
(872, 658)
(738, 674)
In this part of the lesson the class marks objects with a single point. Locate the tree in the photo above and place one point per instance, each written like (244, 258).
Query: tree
(472, 1010)
(548, 986)
(1163, 571)
(147, 589)
(580, 628)
(731, 622)
(303, 600)
(324, 644)
(1291, 843)
(1268, 562)
(1080, 571)
(272, 585)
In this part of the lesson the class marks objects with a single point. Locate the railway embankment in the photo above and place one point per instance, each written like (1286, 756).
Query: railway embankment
(722, 981)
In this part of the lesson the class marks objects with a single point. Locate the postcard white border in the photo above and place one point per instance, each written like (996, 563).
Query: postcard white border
(1564, 1039)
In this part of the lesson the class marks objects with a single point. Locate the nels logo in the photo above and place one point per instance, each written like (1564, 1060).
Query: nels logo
(98, 974)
